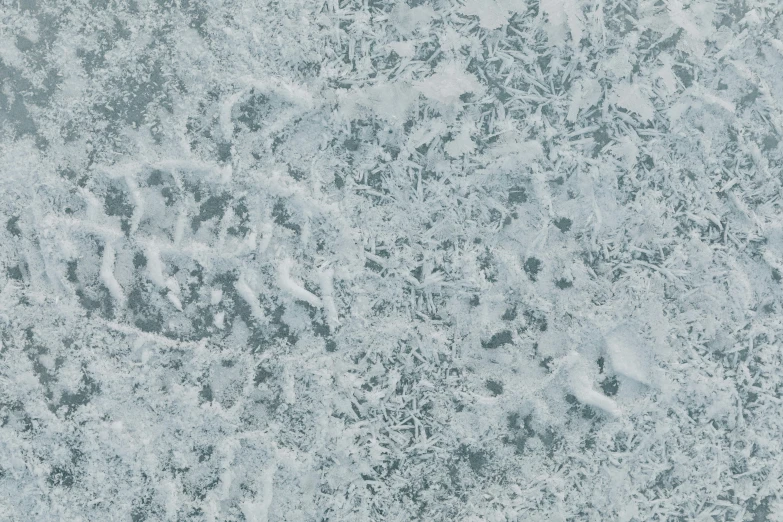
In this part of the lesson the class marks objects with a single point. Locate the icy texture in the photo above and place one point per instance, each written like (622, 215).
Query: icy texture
(367, 260)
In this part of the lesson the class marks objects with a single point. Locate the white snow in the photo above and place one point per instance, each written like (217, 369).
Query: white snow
(630, 97)
(579, 384)
(247, 293)
(489, 260)
(628, 355)
(258, 511)
(293, 288)
(325, 277)
(215, 296)
(155, 266)
(491, 14)
(107, 275)
(448, 83)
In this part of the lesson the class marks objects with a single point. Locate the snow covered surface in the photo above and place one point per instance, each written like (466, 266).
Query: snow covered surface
(387, 260)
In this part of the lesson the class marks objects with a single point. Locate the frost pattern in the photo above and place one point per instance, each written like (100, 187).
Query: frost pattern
(355, 260)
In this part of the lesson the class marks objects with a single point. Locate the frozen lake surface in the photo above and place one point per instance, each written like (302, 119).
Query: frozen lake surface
(389, 260)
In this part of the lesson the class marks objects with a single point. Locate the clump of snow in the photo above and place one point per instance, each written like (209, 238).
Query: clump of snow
(631, 98)
(294, 288)
(448, 83)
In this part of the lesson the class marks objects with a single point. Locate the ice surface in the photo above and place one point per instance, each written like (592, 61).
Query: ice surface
(391, 260)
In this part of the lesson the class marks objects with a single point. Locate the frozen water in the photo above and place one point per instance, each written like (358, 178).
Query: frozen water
(391, 260)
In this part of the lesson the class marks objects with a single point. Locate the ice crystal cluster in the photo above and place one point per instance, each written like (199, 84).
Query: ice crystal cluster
(389, 260)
